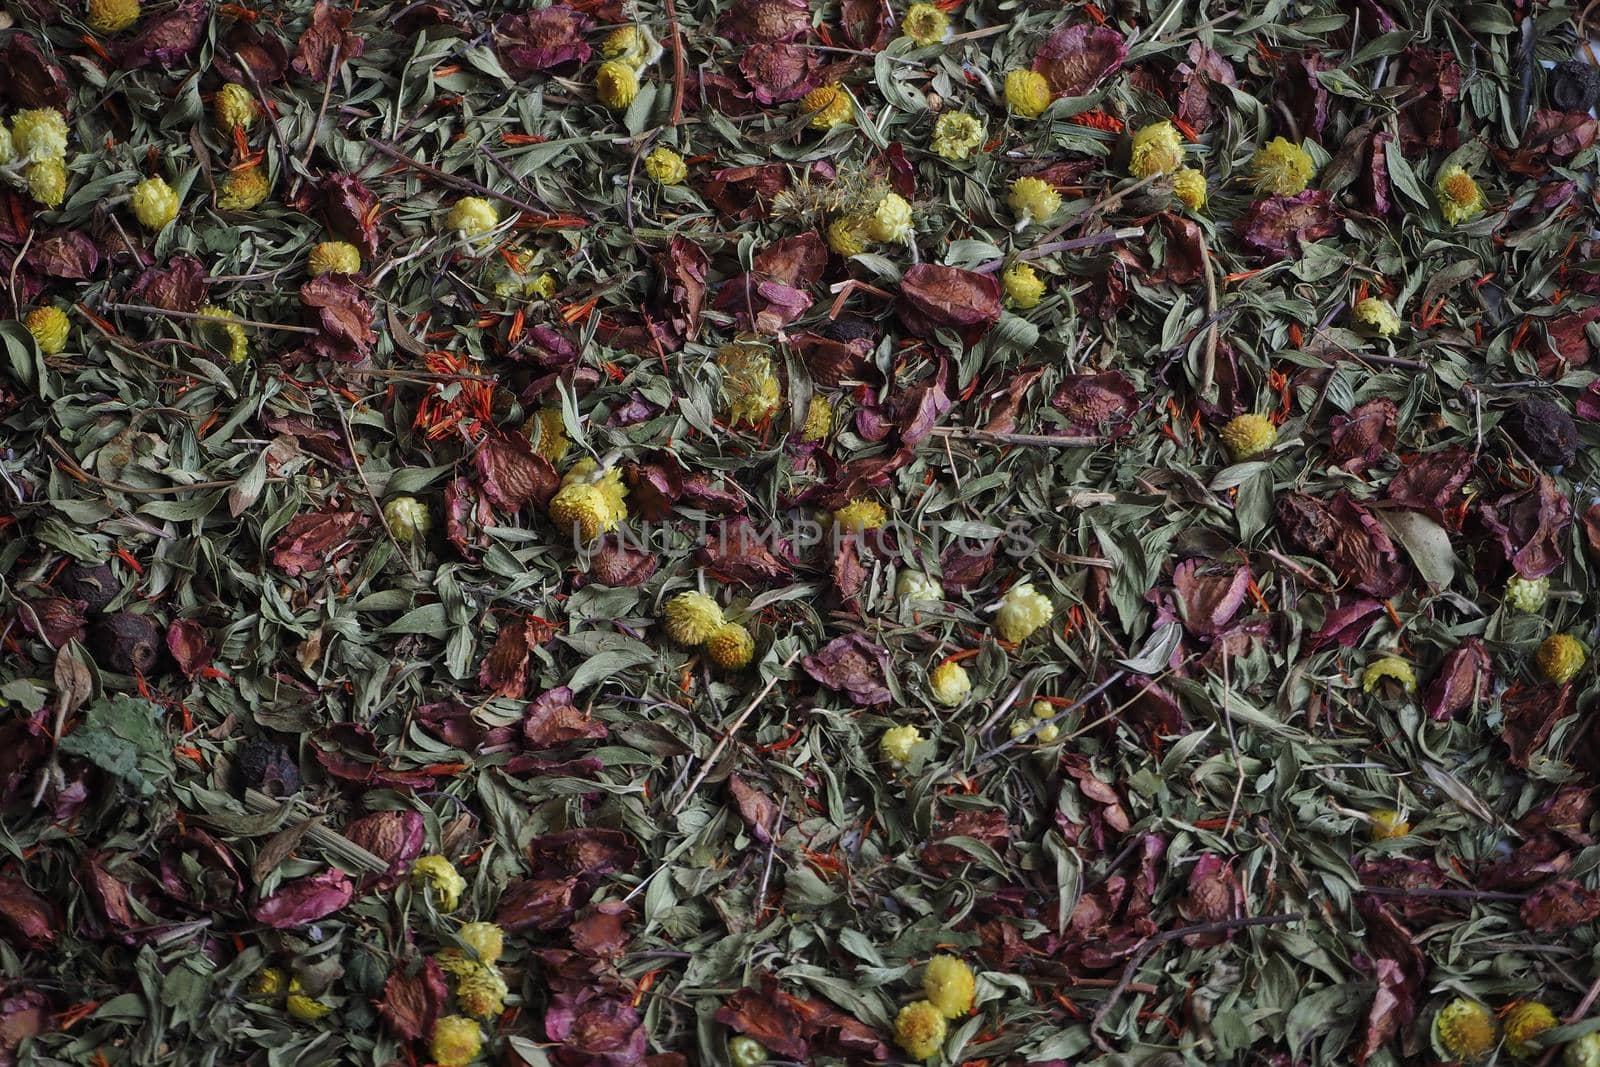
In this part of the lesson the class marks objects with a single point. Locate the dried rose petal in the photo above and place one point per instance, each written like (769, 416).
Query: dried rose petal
(595, 1029)
(934, 297)
(540, 40)
(617, 565)
(603, 931)
(1093, 403)
(1347, 537)
(327, 31)
(351, 211)
(69, 254)
(1465, 678)
(1427, 120)
(413, 997)
(1278, 225)
(1531, 526)
(1208, 599)
(167, 37)
(1074, 59)
(512, 473)
(683, 268)
(179, 286)
(31, 79)
(765, 21)
(1365, 435)
(305, 900)
(1433, 482)
(778, 73)
(25, 915)
(733, 552)
(1560, 906)
(552, 720)
(769, 1020)
(344, 316)
(312, 542)
(190, 646)
(537, 904)
(852, 665)
(394, 836)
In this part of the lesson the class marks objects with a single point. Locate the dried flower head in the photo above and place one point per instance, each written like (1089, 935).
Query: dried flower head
(616, 84)
(950, 683)
(1560, 657)
(111, 16)
(1466, 1030)
(1281, 168)
(268, 982)
(7, 148)
(1247, 436)
(472, 216)
(626, 44)
(691, 618)
(1157, 149)
(1527, 595)
(860, 515)
(234, 107)
(1389, 669)
(1524, 1021)
(949, 985)
(915, 587)
(480, 990)
(956, 135)
(220, 328)
(590, 500)
(1582, 1052)
(38, 134)
(1460, 199)
(1375, 314)
(1022, 611)
(819, 419)
(47, 181)
(1024, 288)
(665, 167)
(828, 106)
(456, 1041)
(154, 203)
(1384, 824)
(50, 328)
(333, 257)
(920, 1030)
(1189, 186)
(485, 939)
(548, 432)
(897, 742)
(926, 24)
(243, 189)
(1033, 200)
(731, 646)
(408, 518)
(438, 875)
(891, 220)
(1027, 93)
(850, 235)
(749, 383)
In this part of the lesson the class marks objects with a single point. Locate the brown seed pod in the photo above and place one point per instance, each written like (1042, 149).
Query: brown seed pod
(125, 643)
(1544, 430)
(94, 584)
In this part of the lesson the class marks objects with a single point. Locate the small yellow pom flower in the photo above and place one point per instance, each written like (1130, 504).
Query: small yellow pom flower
(1582, 1052)
(1376, 315)
(439, 875)
(1047, 733)
(916, 587)
(950, 683)
(819, 419)
(472, 215)
(154, 203)
(626, 44)
(692, 618)
(50, 328)
(1189, 186)
(7, 148)
(304, 1008)
(244, 189)
(456, 1041)
(480, 990)
(333, 257)
(1526, 1020)
(891, 221)
(544, 286)
(616, 84)
(949, 985)
(590, 500)
(749, 384)
(1157, 149)
(220, 329)
(1527, 595)
(731, 646)
(1023, 286)
(38, 134)
(1027, 93)
(234, 108)
(1022, 611)
(268, 982)
(849, 235)
(925, 24)
(828, 106)
(111, 16)
(408, 519)
(860, 515)
(485, 939)
(1281, 168)
(1460, 199)
(1465, 1030)
(548, 433)
(666, 167)
(1247, 436)
(956, 135)
(1388, 669)
(920, 1030)
(1385, 824)
(1033, 200)
(47, 181)
(1560, 658)
(896, 744)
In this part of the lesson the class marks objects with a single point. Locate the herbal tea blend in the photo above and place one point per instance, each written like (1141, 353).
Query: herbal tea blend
(721, 532)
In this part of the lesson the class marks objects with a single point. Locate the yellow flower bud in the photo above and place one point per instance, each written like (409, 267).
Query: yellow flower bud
(1027, 93)
(626, 44)
(50, 328)
(485, 939)
(219, 329)
(949, 985)
(480, 990)
(615, 84)
(1281, 168)
(1525, 1021)
(590, 500)
(268, 982)
(304, 1008)
(920, 1030)
(749, 384)
(234, 108)
(548, 432)
(38, 134)
(333, 257)
(243, 189)
(1466, 1030)
(925, 24)
(1189, 186)
(950, 683)
(915, 586)
(1460, 199)
(1022, 611)
(456, 1041)
(408, 518)
(860, 515)
(1386, 824)
(666, 167)
(1033, 200)
(891, 220)
(154, 203)
(1023, 286)
(1047, 733)
(692, 618)
(1157, 149)
(1527, 595)
(819, 419)
(1376, 315)
(896, 744)
(956, 135)
(472, 215)
(47, 181)
(731, 646)
(1560, 658)
(1389, 669)
(1247, 436)
(439, 875)
(828, 106)
(111, 16)
(849, 235)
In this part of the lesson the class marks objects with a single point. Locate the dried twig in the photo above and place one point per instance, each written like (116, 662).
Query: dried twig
(711, 760)
(677, 64)
(1034, 440)
(146, 309)
(1050, 248)
(322, 109)
(454, 179)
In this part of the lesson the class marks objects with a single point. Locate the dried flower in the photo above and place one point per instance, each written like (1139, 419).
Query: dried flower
(1560, 657)
(819, 419)
(914, 586)
(480, 990)
(849, 235)
(828, 106)
(1027, 93)
(1033, 200)
(222, 330)
(925, 24)
(897, 742)
(305, 1009)
(950, 683)
(244, 189)
(1526, 1020)
(1465, 1029)
(333, 257)
(154, 203)
(485, 939)
(746, 1051)
(956, 135)
(50, 328)
(439, 875)
(47, 181)
(234, 108)
(1573, 85)
(1460, 199)
(891, 221)
(111, 16)
(692, 618)
(615, 84)
(408, 518)
(1384, 824)
(548, 432)
(544, 286)
(39, 134)
(1157, 149)
(1189, 186)
(1388, 669)
(1582, 1052)
(749, 384)
(7, 148)
(860, 515)
(1047, 733)
(1376, 315)
(1527, 594)
(665, 167)
(920, 1030)
(626, 44)
(1022, 611)
(731, 646)
(456, 1041)
(1281, 168)
(268, 982)
(949, 985)
(1247, 436)
(1024, 288)
(590, 500)
(472, 215)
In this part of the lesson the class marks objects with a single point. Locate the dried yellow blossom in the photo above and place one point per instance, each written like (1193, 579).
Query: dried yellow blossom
(1247, 436)
(956, 135)
(665, 167)
(456, 1041)
(1560, 658)
(244, 189)
(1460, 199)
(616, 84)
(920, 1030)
(1376, 315)
(949, 985)
(1466, 1030)
(234, 108)
(50, 328)
(111, 16)
(1389, 669)
(1157, 149)
(439, 875)
(1033, 200)
(1189, 186)
(828, 106)
(860, 515)
(1022, 611)
(1281, 168)
(891, 221)
(950, 683)
(925, 24)
(731, 646)
(472, 215)
(896, 744)
(154, 203)
(692, 618)
(1027, 93)
(333, 257)
(1023, 286)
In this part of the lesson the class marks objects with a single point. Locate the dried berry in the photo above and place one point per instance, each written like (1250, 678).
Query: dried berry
(1544, 430)
(95, 585)
(269, 767)
(125, 643)
(1573, 86)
